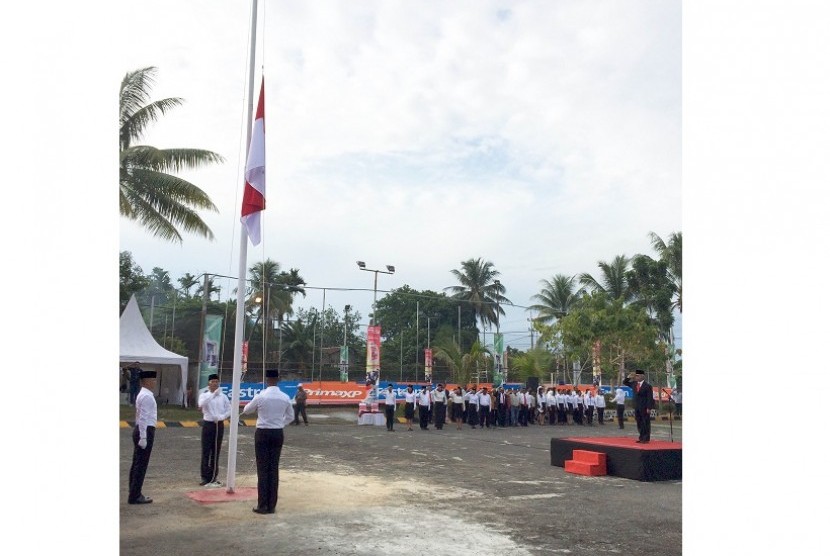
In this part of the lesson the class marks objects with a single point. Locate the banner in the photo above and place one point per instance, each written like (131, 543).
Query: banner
(344, 363)
(212, 340)
(498, 358)
(244, 356)
(373, 351)
(428, 364)
(319, 392)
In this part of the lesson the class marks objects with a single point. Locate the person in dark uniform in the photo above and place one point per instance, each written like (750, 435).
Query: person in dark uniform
(300, 400)
(215, 408)
(643, 403)
(143, 435)
(133, 377)
(439, 404)
(274, 411)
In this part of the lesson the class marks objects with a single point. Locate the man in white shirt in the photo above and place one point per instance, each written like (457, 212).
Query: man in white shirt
(215, 408)
(143, 435)
(472, 407)
(424, 405)
(484, 408)
(274, 411)
(599, 402)
(389, 404)
(439, 405)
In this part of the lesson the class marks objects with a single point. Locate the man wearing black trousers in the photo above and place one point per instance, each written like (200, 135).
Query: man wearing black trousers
(143, 435)
(643, 403)
(274, 411)
(390, 403)
(215, 408)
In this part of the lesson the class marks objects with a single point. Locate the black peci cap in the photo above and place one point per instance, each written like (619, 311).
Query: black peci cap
(272, 373)
(147, 374)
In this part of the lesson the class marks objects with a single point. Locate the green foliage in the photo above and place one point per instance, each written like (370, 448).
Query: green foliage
(148, 194)
(479, 286)
(131, 278)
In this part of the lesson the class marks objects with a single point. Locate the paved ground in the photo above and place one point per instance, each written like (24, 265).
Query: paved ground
(360, 490)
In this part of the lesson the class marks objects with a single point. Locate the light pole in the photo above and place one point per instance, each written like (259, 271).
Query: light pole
(389, 270)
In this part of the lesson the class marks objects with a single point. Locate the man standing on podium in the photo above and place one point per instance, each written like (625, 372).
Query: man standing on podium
(643, 403)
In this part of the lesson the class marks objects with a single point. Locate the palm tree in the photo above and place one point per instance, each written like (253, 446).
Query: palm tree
(671, 253)
(149, 195)
(556, 298)
(480, 288)
(474, 362)
(614, 282)
(449, 352)
(186, 282)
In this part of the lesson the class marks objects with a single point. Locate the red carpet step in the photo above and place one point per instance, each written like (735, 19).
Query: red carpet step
(586, 462)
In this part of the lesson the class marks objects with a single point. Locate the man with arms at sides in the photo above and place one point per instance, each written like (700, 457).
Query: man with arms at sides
(643, 403)
(274, 411)
(143, 435)
(215, 408)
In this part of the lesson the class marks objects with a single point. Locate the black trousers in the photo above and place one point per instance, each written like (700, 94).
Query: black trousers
(601, 415)
(620, 414)
(590, 414)
(423, 416)
(484, 416)
(440, 414)
(643, 418)
(141, 459)
(472, 415)
(390, 416)
(212, 434)
(300, 409)
(268, 448)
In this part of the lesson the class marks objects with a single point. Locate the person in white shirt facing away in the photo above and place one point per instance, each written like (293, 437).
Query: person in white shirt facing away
(274, 412)
(590, 405)
(144, 433)
(619, 399)
(439, 406)
(457, 407)
(215, 408)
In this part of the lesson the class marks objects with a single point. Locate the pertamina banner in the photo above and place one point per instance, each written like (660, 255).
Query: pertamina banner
(428, 363)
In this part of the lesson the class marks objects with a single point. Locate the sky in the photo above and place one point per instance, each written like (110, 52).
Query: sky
(541, 136)
(755, 84)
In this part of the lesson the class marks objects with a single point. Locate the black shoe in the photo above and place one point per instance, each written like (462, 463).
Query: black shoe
(141, 500)
(261, 511)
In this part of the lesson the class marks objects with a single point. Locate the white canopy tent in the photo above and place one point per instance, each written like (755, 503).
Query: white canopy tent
(138, 345)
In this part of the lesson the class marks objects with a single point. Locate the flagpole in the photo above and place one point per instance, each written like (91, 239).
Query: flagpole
(239, 332)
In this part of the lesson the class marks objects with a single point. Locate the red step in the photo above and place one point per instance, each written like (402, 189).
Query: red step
(587, 456)
(587, 463)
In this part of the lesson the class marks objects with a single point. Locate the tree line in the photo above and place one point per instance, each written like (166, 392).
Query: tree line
(587, 325)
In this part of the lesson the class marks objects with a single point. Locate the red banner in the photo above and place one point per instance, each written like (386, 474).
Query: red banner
(372, 349)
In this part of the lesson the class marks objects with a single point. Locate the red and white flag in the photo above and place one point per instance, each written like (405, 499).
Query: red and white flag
(253, 199)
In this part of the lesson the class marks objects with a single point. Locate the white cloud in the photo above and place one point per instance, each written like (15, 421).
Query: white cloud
(543, 136)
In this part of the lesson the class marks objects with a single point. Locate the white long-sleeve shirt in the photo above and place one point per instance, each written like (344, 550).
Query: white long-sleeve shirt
(619, 397)
(145, 411)
(483, 399)
(273, 407)
(390, 398)
(215, 405)
(424, 398)
(439, 396)
(472, 398)
(599, 401)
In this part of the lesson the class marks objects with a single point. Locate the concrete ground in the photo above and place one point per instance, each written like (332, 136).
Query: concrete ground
(359, 490)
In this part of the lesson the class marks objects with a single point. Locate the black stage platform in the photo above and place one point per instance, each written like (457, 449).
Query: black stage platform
(655, 461)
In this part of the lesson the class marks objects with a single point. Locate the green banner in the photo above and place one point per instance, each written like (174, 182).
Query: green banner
(211, 345)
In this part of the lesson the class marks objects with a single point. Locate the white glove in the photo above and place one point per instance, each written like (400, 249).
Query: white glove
(142, 443)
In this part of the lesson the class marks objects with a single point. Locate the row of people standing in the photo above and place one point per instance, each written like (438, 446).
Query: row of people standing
(498, 407)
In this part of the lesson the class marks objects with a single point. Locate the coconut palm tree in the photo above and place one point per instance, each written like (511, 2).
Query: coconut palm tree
(613, 279)
(556, 298)
(671, 253)
(149, 194)
(186, 282)
(480, 288)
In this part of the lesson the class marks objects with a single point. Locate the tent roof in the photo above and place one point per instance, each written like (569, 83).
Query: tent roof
(137, 344)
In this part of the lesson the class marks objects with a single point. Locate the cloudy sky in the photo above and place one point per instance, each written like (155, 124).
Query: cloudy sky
(541, 136)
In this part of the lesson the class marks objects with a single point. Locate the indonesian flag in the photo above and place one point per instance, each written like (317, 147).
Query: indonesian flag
(253, 199)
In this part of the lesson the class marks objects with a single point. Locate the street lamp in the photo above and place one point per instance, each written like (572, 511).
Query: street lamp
(497, 359)
(389, 270)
